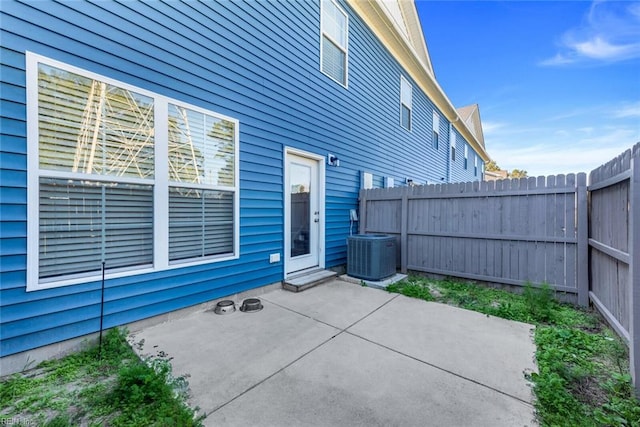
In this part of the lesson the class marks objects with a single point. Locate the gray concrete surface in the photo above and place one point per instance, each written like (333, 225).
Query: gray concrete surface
(344, 355)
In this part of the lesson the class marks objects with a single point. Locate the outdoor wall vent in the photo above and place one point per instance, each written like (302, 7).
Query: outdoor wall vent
(371, 256)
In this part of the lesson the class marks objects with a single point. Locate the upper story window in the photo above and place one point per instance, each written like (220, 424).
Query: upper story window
(466, 156)
(125, 177)
(406, 95)
(452, 143)
(475, 165)
(436, 131)
(334, 49)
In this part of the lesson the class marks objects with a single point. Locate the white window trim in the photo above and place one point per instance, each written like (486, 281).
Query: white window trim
(435, 125)
(160, 182)
(367, 180)
(405, 83)
(389, 182)
(466, 156)
(452, 143)
(321, 203)
(345, 48)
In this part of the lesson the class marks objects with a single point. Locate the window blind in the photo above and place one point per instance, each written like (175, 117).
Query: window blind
(200, 223)
(333, 60)
(85, 223)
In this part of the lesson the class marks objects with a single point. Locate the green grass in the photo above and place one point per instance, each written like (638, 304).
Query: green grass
(583, 375)
(92, 387)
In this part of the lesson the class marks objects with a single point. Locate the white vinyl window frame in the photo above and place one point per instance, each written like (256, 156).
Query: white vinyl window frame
(337, 36)
(435, 142)
(160, 181)
(452, 143)
(466, 156)
(389, 182)
(406, 104)
(475, 165)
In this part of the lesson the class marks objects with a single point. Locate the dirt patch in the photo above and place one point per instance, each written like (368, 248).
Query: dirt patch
(587, 390)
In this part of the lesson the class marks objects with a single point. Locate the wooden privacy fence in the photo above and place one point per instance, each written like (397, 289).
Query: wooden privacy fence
(614, 247)
(512, 232)
(582, 241)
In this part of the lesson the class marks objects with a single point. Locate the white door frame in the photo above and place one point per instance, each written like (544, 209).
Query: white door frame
(288, 151)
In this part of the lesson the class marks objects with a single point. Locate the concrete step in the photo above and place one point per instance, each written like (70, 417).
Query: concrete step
(378, 284)
(307, 279)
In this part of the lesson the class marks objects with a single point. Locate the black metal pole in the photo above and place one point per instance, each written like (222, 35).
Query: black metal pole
(101, 312)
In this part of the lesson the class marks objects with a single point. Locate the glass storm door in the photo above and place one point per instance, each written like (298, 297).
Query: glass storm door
(303, 213)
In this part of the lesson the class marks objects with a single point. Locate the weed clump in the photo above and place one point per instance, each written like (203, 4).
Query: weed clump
(540, 302)
(99, 386)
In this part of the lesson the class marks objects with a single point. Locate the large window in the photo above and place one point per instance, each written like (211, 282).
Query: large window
(124, 178)
(334, 49)
(406, 101)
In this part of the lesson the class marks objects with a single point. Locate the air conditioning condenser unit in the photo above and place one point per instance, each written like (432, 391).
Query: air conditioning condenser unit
(371, 256)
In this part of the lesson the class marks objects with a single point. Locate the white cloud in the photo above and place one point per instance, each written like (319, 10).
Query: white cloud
(628, 110)
(610, 33)
(586, 129)
(622, 110)
(558, 59)
(491, 127)
(578, 150)
(598, 48)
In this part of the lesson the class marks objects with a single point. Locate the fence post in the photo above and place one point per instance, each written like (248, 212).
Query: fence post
(582, 258)
(404, 218)
(363, 212)
(634, 272)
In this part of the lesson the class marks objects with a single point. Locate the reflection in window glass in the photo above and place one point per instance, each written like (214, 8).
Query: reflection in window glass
(300, 209)
(201, 148)
(88, 126)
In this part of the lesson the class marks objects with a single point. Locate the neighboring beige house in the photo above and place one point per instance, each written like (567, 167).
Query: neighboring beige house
(495, 175)
(470, 116)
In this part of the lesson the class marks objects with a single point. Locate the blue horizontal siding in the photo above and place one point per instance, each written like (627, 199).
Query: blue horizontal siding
(458, 172)
(11, 143)
(13, 212)
(11, 92)
(11, 229)
(45, 336)
(13, 161)
(13, 263)
(255, 61)
(9, 126)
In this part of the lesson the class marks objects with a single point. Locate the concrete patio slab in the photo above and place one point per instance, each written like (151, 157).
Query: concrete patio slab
(335, 303)
(352, 382)
(490, 350)
(342, 354)
(224, 355)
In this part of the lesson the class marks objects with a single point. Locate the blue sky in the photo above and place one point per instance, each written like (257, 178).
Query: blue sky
(558, 83)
